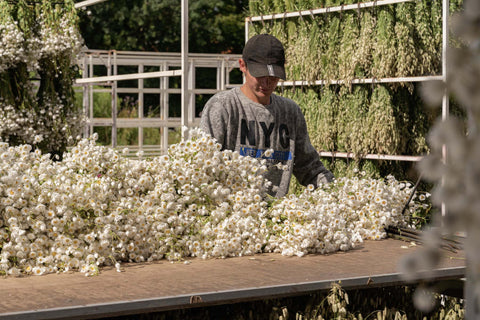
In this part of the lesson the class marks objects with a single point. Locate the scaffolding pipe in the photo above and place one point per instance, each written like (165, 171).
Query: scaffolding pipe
(130, 76)
(445, 104)
(299, 83)
(341, 8)
(352, 155)
(83, 4)
(184, 57)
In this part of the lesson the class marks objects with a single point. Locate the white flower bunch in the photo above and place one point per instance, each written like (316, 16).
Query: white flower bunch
(97, 208)
(55, 38)
(58, 38)
(16, 122)
(339, 215)
(49, 51)
(33, 127)
(11, 44)
(55, 122)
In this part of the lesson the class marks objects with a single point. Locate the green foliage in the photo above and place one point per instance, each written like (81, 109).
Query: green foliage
(215, 26)
(426, 42)
(329, 61)
(363, 55)
(413, 121)
(395, 40)
(324, 131)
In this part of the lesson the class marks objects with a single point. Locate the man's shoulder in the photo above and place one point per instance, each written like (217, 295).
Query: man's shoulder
(221, 102)
(286, 102)
(222, 97)
(282, 97)
(225, 94)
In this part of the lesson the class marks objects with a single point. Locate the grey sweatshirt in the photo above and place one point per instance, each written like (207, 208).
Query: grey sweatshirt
(239, 124)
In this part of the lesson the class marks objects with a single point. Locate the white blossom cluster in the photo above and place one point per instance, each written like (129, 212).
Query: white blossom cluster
(32, 122)
(11, 44)
(53, 39)
(97, 208)
(52, 124)
(339, 215)
(58, 38)
(17, 122)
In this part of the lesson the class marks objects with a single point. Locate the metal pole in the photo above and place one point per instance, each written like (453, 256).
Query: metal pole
(140, 106)
(191, 93)
(114, 101)
(219, 76)
(445, 105)
(90, 95)
(184, 89)
(164, 102)
(222, 76)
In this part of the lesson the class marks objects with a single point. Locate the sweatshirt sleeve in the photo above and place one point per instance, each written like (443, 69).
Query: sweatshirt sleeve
(307, 167)
(213, 120)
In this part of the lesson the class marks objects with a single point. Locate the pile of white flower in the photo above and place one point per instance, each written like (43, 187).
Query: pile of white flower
(97, 207)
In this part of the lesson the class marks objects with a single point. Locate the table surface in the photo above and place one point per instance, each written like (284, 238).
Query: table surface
(162, 285)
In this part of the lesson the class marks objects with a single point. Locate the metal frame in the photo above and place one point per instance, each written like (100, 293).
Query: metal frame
(111, 60)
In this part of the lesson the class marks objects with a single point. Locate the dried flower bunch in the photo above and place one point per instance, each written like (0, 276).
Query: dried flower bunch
(96, 207)
(39, 45)
(397, 40)
(364, 119)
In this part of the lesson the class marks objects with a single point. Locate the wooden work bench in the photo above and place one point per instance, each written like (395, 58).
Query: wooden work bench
(162, 285)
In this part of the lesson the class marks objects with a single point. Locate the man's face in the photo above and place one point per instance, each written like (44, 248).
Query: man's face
(258, 89)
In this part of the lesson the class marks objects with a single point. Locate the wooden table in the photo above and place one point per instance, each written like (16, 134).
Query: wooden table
(149, 287)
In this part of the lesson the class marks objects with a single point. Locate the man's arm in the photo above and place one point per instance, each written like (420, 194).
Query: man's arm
(213, 120)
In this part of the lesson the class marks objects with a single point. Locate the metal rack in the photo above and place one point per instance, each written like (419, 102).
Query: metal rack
(359, 6)
(169, 65)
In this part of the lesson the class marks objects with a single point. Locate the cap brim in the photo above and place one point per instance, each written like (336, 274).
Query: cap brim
(261, 70)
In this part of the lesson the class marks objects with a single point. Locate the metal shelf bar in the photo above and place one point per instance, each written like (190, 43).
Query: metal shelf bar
(83, 4)
(370, 156)
(355, 6)
(357, 81)
(131, 76)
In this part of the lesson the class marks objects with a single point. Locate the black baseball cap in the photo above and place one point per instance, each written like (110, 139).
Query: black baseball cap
(265, 56)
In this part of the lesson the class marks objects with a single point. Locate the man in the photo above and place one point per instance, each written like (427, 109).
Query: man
(252, 119)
